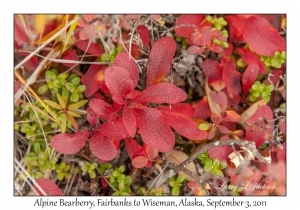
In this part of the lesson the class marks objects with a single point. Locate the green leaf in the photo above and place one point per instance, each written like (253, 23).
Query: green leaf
(205, 126)
(37, 147)
(62, 165)
(60, 176)
(216, 163)
(38, 175)
(175, 191)
(115, 194)
(74, 97)
(121, 169)
(63, 123)
(208, 161)
(43, 89)
(180, 179)
(115, 173)
(50, 75)
(92, 174)
(57, 83)
(70, 87)
(61, 101)
(77, 105)
(218, 172)
(65, 93)
(127, 180)
(222, 165)
(121, 186)
(81, 88)
(208, 167)
(253, 98)
(75, 81)
(53, 104)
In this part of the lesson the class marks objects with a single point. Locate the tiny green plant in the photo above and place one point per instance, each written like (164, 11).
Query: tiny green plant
(214, 166)
(89, 168)
(63, 171)
(176, 183)
(261, 90)
(120, 182)
(274, 61)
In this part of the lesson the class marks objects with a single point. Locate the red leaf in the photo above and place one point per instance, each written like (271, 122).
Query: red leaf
(276, 76)
(151, 152)
(261, 36)
(139, 161)
(92, 117)
(161, 93)
(160, 60)
(231, 77)
(281, 154)
(230, 125)
(250, 58)
(69, 144)
(180, 108)
(213, 73)
(185, 31)
(256, 129)
(212, 133)
(154, 130)
(235, 27)
(249, 77)
(102, 147)
(93, 79)
(31, 64)
(19, 31)
(206, 36)
(119, 83)
(101, 108)
(223, 129)
(122, 60)
(94, 48)
(129, 121)
(220, 152)
(114, 130)
(202, 109)
(195, 50)
(219, 98)
(48, 186)
(182, 124)
(131, 146)
(282, 127)
(231, 116)
(144, 34)
(70, 55)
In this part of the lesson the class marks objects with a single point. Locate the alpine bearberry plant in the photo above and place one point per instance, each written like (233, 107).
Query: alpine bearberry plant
(125, 105)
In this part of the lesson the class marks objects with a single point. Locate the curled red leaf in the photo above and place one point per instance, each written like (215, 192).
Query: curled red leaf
(144, 34)
(161, 93)
(258, 129)
(160, 60)
(231, 77)
(119, 83)
(250, 58)
(70, 55)
(48, 186)
(69, 144)
(131, 146)
(93, 79)
(93, 48)
(124, 61)
(101, 108)
(213, 73)
(183, 24)
(202, 109)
